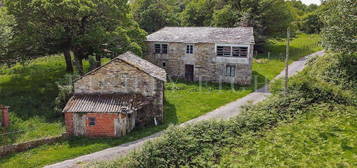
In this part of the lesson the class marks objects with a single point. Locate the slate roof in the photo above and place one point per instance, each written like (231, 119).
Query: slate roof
(137, 62)
(237, 35)
(105, 103)
(143, 65)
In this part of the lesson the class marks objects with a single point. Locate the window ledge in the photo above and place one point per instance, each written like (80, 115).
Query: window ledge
(235, 60)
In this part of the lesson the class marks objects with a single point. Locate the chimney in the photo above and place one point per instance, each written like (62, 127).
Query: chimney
(5, 116)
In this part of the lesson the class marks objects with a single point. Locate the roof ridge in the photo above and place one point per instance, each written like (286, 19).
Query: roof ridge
(119, 58)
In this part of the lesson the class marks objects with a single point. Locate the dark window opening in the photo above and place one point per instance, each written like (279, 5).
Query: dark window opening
(228, 51)
(91, 121)
(157, 48)
(164, 64)
(161, 48)
(164, 48)
(230, 70)
(189, 49)
(219, 50)
(240, 51)
(243, 51)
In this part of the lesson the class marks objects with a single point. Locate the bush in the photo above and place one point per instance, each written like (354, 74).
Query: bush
(65, 91)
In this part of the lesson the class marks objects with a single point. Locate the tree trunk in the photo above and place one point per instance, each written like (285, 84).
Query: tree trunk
(78, 57)
(67, 57)
(79, 62)
(98, 62)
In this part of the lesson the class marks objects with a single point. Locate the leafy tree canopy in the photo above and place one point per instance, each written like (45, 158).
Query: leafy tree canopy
(340, 25)
(7, 22)
(86, 27)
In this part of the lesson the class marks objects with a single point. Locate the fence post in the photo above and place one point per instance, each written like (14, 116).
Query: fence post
(5, 116)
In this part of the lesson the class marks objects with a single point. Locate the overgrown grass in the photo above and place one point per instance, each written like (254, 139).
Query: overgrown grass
(323, 137)
(184, 101)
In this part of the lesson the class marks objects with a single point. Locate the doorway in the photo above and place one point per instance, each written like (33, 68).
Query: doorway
(189, 72)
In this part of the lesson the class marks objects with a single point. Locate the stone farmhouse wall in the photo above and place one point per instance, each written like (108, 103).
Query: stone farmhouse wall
(207, 67)
(121, 77)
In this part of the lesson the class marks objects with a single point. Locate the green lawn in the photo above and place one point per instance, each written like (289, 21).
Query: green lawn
(31, 89)
(324, 137)
(270, 63)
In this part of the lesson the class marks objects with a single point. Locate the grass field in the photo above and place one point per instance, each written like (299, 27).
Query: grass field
(31, 89)
(324, 137)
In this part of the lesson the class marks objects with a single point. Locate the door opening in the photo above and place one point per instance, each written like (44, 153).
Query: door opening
(189, 71)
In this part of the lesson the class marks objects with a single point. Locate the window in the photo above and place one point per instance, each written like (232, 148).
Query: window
(160, 48)
(164, 48)
(157, 48)
(219, 50)
(91, 121)
(189, 49)
(230, 51)
(227, 51)
(231, 70)
(164, 64)
(240, 51)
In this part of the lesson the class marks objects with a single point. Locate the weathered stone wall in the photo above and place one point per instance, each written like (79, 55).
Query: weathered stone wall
(116, 77)
(207, 67)
(13, 148)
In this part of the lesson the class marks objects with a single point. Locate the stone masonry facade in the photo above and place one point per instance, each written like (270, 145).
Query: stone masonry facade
(207, 65)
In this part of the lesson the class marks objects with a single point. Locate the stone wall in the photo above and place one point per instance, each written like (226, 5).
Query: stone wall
(13, 148)
(116, 77)
(207, 66)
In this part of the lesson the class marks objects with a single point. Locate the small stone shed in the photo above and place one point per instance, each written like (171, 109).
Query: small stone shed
(113, 99)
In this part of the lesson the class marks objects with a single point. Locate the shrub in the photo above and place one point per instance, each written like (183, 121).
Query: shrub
(65, 91)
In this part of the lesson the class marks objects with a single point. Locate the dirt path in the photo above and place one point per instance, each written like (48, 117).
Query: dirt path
(224, 112)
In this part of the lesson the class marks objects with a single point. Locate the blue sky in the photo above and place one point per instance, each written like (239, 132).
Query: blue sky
(308, 2)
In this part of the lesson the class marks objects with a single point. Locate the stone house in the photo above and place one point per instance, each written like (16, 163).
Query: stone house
(204, 53)
(116, 97)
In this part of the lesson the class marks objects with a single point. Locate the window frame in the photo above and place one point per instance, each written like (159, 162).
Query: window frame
(163, 48)
(92, 120)
(189, 49)
(230, 70)
(232, 46)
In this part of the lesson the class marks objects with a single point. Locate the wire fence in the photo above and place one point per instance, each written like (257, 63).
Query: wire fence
(9, 136)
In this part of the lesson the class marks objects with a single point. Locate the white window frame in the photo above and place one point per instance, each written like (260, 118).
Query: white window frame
(191, 45)
(232, 45)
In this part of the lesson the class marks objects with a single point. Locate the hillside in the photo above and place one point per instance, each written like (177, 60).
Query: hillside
(36, 82)
(313, 125)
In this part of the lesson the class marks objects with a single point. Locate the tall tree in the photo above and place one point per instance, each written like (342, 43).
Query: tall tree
(198, 13)
(86, 27)
(340, 25)
(152, 15)
(7, 22)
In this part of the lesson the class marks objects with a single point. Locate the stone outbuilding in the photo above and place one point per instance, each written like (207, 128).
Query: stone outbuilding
(204, 53)
(113, 99)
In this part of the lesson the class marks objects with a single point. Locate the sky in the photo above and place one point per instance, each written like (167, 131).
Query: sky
(308, 2)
